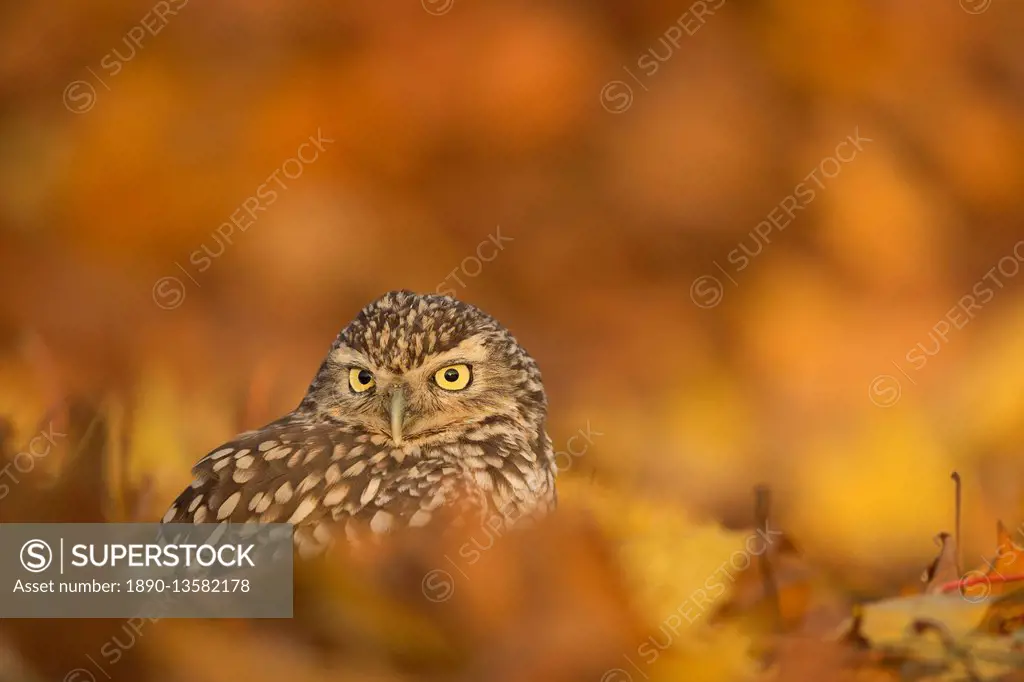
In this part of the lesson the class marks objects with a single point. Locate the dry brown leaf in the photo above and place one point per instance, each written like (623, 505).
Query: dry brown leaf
(944, 568)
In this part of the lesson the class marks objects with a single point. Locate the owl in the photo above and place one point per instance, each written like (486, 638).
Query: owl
(424, 406)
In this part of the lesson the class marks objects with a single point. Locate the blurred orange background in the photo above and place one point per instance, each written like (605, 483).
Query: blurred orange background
(631, 156)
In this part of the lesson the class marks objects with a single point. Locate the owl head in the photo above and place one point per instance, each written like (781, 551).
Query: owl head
(427, 369)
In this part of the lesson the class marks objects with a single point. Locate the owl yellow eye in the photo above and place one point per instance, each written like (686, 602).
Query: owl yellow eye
(361, 379)
(453, 377)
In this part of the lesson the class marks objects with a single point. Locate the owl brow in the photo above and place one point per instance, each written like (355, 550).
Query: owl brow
(348, 357)
(453, 357)
(436, 367)
(467, 352)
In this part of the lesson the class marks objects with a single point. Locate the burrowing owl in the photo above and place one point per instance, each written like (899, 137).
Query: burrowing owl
(423, 402)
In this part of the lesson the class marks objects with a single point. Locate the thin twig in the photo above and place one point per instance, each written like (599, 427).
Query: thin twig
(959, 544)
(762, 509)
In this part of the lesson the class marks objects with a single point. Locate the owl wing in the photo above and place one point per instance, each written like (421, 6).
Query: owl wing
(314, 476)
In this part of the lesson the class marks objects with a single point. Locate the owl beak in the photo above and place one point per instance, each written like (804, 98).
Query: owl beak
(397, 414)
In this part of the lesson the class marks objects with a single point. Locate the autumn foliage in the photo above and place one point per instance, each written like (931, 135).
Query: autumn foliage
(770, 245)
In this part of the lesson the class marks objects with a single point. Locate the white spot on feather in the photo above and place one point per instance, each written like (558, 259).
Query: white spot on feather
(308, 483)
(228, 505)
(335, 495)
(255, 501)
(243, 475)
(419, 519)
(304, 509)
(277, 453)
(284, 493)
(264, 504)
(355, 469)
(381, 522)
(371, 490)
